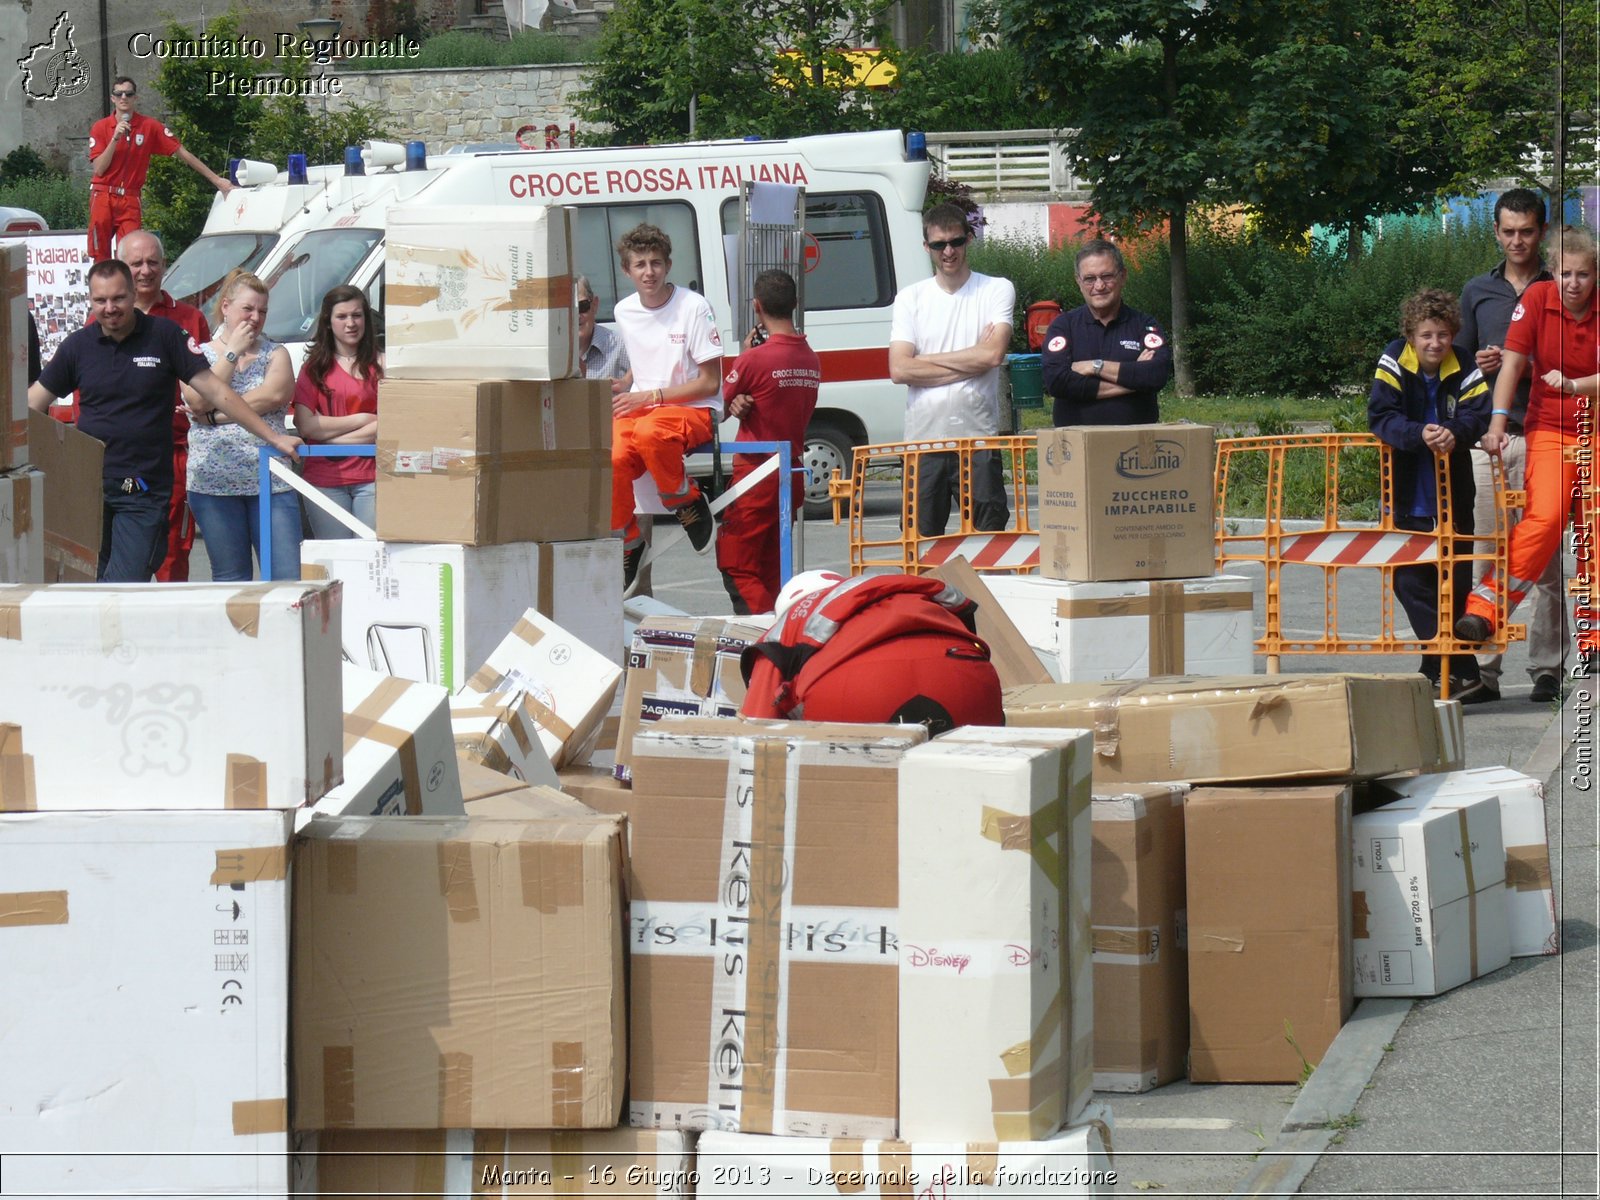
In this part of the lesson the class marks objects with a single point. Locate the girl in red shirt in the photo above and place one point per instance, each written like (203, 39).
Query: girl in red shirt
(336, 403)
(1555, 333)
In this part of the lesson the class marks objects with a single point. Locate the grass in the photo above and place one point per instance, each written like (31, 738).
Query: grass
(1237, 416)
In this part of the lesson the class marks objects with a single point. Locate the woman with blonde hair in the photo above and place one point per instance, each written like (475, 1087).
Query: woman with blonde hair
(336, 402)
(224, 466)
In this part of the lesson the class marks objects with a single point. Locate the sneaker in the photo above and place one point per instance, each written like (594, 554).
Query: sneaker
(632, 557)
(695, 517)
(1473, 691)
(1473, 628)
(1546, 688)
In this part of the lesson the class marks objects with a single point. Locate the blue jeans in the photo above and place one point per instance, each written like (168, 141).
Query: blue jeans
(133, 533)
(360, 500)
(231, 528)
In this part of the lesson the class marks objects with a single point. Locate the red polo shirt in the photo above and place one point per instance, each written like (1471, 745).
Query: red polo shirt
(1555, 340)
(130, 161)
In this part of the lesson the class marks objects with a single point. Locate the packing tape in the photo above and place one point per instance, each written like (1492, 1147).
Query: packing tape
(69, 559)
(567, 1168)
(1030, 834)
(566, 1085)
(983, 1161)
(552, 875)
(11, 601)
(22, 505)
(494, 463)
(482, 749)
(457, 883)
(1360, 912)
(17, 789)
(487, 677)
(548, 719)
(545, 589)
(245, 782)
(489, 488)
(1020, 1060)
(1167, 650)
(32, 908)
(768, 820)
(363, 723)
(703, 658)
(343, 872)
(1085, 607)
(1141, 942)
(250, 864)
(1472, 887)
(1106, 718)
(251, 1117)
(455, 1089)
(1033, 1125)
(313, 572)
(894, 1166)
(244, 608)
(1527, 867)
(847, 1159)
(339, 1087)
(1222, 940)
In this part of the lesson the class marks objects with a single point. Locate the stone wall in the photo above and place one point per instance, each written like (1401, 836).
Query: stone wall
(446, 106)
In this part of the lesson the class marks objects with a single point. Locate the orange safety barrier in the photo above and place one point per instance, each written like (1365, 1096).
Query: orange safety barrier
(1253, 476)
(883, 516)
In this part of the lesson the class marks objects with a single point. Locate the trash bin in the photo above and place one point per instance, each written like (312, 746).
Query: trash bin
(1026, 385)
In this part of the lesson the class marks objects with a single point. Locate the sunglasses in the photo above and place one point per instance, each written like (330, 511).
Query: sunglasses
(953, 244)
(123, 95)
(584, 306)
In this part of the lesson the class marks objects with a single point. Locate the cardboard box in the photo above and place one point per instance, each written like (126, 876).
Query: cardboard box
(492, 999)
(1234, 729)
(200, 695)
(682, 667)
(498, 730)
(1087, 632)
(568, 686)
(483, 1162)
(529, 804)
(986, 1019)
(1270, 966)
(1141, 957)
(1074, 1163)
(597, 787)
(72, 516)
(486, 464)
(13, 355)
(482, 284)
(399, 757)
(764, 899)
(22, 527)
(1014, 660)
(1126, 502)
(435, 613)
(1428, 895)
(1452, 736)
(1530, 891)
(479, 782)
(145, 989)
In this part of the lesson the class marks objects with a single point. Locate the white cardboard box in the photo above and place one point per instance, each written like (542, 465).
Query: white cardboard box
(1087, 632)
(1428, 895)
(986, 1019)
(182, 696)
(1073, 1163)
(1453, 740)
(145, 989)
(569, 685)
(1530, 891)
(498, 730)
(489, 285)
(399, 756)
(22, 527)
(434, 612)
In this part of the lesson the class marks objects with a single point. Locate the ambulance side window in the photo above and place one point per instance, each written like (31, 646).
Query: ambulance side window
(847, 253)
(599, 227)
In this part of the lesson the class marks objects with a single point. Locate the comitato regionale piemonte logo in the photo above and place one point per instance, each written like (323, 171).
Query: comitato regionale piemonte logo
(54, 70)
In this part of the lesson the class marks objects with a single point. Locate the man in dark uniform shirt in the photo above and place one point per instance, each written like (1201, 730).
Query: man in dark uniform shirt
(1104, 362)
(124, 367)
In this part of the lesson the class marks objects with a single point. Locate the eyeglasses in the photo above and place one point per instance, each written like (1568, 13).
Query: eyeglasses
(122, 95)
(1091, 280)
(584, 306)
(953, 243)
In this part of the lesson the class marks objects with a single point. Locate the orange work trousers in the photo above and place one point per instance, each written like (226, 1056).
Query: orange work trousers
(111, 214)
(654, 441)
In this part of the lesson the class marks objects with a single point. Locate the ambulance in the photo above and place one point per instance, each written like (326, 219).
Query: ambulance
(305, 230)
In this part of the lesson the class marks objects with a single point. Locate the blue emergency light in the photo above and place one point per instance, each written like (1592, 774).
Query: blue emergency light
(352, 161)
(297, 169)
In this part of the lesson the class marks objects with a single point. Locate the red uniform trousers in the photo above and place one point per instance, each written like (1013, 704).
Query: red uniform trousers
(654, 441)
(110, 213)
(1554, 489)
(748, 543)
(174, 567)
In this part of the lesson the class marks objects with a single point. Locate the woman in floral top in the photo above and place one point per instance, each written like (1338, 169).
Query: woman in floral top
(224, 468)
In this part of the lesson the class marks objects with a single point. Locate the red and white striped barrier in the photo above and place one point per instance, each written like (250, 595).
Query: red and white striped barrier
(1358, 548)
(985, 551)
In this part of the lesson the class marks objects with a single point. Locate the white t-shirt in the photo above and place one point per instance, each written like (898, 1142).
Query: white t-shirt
(934, 320)
(666, 345)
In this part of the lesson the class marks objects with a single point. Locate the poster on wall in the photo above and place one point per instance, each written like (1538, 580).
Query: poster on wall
(58, 285)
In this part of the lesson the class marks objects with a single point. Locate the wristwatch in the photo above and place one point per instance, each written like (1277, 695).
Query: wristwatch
(233, 356)
(1098, 364)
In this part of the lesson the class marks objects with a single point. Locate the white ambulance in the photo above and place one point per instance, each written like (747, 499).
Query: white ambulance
(864, 194)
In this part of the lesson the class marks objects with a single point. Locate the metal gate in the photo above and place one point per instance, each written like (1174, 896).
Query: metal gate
(771, 236)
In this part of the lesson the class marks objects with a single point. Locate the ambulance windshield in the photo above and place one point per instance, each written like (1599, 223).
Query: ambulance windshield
(200, 269)
(322, 259)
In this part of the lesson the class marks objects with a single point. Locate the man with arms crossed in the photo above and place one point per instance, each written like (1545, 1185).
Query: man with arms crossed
(947, 339)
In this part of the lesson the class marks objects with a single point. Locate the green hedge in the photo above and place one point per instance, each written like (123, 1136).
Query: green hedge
(530, 47)
(60, 201)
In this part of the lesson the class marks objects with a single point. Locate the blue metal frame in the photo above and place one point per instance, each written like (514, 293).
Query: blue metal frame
(786, 473)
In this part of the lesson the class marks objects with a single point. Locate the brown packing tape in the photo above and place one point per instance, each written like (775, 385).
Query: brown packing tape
(455, 1090)
(250, 864)
(313, 572)
(245, 782)
(495, 463)
(11, 601)
(486, 678)
(548, 719)
(457, 884)
(1360, 913)
(410, 295)
(1029, 834)
(566, 1085)
(1167, 651)
(18, 792)
(252, 1117)
(244, 608)
(1527, 867)
(983, 1160)
(567, 1168)
(847, 1160)
(768, 819)
(1140, 943)
(339, 1086)
(545, 562)
(894, 1168)
(485, 751)
(552, 875)
(1086, 608)
(547, 291)
(22, 505)
(1472, 887)
(364, 723)
(32, 908)
(1020, 1060)
(703, 658)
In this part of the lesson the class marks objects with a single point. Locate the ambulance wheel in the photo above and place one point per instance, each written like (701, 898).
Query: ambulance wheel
(828, 449)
